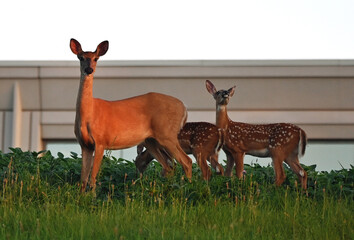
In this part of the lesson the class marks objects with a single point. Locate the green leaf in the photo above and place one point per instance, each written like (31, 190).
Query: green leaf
(60, 155)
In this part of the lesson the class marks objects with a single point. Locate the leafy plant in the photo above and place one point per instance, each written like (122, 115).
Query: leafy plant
(40, 199)
(121, 176)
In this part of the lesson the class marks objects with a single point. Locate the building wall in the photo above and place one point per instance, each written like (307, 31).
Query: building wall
(38, 99)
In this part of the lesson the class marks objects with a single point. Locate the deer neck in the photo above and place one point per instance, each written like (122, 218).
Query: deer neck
(222, 119)
(84, 104)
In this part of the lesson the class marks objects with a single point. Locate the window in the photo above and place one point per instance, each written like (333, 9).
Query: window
(327, 155)
(65, 147)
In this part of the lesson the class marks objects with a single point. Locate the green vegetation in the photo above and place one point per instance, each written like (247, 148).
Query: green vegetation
(40, 199)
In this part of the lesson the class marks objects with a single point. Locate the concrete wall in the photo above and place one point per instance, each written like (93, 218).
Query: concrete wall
(37, 99)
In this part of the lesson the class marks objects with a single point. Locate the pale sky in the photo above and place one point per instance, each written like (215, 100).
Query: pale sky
(183, 29)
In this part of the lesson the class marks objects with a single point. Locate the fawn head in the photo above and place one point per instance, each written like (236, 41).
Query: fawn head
(88, 60)
(222, 97)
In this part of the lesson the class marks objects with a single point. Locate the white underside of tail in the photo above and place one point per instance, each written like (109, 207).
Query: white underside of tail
(184, 119)
(300, 146)
(220, 142)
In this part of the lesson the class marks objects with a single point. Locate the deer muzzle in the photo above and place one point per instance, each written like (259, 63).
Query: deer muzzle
(88, 70)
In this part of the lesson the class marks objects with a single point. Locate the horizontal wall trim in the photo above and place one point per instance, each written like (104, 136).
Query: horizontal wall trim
(182, 68)
(317, 124)
(58, 132)
(203, 71)
(62, 117)
(196, 62)
(317, 132)
(258, 117)
(296, 117)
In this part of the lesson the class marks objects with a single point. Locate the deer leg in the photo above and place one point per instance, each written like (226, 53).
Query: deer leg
(295, 166)
(169, 160)
(213, 159)
(99, 150)
(230, 162)
(279, 171)
(153, 148)
(238, 158)
(174, 149)
(202, 162)
(87, 160)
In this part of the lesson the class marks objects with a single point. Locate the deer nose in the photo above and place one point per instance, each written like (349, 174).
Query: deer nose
(88, 70)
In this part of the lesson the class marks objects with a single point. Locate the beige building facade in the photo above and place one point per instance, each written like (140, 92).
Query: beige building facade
(38, 99)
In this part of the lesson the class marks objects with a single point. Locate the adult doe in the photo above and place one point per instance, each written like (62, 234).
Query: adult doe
(152, 118)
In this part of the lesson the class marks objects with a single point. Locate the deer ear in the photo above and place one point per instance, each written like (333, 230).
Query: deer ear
(231, 91)
(139, 149)
(210, 87)
(75, 46)
(102, 48)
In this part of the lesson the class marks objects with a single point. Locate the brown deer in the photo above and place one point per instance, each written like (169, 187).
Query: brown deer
(152, 118)
(203, 140)
(280, 141)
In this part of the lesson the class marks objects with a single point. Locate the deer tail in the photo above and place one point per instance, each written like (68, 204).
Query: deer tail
(184, 119)
(302, 143)
(221, 140)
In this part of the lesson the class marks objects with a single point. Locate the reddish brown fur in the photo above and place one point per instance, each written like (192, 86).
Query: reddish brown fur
(202, 139)
(102, 124)
(280, 141)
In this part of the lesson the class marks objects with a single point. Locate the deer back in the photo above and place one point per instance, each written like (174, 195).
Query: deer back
(263, 139)
(128, 122)
(200, 136)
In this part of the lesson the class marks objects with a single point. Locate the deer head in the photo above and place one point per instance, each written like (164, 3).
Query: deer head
(221, 97)
(88, 60)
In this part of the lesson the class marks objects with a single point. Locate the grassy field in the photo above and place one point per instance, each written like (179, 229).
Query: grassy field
(40, 199)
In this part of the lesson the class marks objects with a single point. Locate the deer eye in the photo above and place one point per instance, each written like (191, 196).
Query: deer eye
(80, 58)
(95, 59)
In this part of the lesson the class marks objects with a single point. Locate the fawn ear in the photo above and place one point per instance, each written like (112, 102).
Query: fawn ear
(210, 87)
(231, 91)
(75, 46)
(102, 48)
(139, 149)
